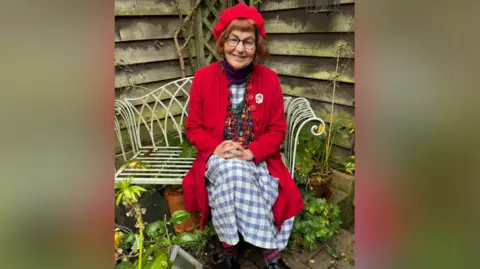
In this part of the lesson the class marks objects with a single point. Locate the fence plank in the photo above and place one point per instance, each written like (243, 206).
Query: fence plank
(340, 155)
(320, 90)
(320, 45)
(199, 39)
(310, 67)
(268, 5)
(298, 21)
(150, 7)
(142, 28)
(344, 114)
(148, 51)
(150, 72)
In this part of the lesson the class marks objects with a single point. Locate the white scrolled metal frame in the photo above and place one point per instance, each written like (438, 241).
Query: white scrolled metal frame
(164, 164)
(298, 113)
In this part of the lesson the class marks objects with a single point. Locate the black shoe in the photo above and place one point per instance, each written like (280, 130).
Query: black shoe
(279, 264)
(226, 262)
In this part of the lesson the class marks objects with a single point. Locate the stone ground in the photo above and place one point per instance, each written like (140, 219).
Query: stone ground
(316, 259)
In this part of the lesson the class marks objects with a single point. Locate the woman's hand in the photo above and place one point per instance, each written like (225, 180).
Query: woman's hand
(246, 155)
(228, 149)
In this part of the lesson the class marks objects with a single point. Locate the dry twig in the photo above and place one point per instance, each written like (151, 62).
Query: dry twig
(180, 28)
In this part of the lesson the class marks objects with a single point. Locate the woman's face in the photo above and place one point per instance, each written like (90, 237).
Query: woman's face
(241, 54)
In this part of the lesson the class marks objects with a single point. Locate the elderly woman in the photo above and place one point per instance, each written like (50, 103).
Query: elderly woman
(237, 123)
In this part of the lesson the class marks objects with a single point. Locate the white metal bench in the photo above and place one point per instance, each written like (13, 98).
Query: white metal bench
(149, 119)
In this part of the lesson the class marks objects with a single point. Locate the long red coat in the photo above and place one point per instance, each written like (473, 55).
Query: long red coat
(204, 128)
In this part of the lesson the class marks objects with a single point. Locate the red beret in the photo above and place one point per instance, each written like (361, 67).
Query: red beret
(239, 11)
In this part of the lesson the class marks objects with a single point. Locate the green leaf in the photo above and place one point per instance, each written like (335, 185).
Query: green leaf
(127, 240)
(163, 241)
(124, 265)
(148, 253)
(184, 238)
(136, 244)
(155, 228)
(179, 216)
(160, 262)
(119, 198)
(122, 184)
(304, 162)
(139, 188)
(128, 195)
(160, 252)
(188, 152)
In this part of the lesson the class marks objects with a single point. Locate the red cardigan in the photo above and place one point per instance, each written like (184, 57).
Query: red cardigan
(204, 128)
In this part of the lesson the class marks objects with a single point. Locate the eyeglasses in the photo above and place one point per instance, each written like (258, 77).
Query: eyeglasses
(247, 43)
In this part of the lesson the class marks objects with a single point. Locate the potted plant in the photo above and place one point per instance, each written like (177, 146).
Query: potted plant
(174, 193)
(151, 245)
(314, 157)
(174, 196)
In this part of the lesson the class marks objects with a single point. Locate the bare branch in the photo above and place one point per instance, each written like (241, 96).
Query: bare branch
(177, 32)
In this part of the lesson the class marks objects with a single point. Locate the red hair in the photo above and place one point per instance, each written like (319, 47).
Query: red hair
(244, 25)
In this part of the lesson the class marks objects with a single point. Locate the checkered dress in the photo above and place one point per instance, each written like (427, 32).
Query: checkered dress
(241, 195)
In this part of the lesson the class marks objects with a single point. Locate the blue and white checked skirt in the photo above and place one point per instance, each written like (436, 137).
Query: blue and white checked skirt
(241, 195)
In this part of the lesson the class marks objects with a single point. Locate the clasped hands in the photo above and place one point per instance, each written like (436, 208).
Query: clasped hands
(229, 149)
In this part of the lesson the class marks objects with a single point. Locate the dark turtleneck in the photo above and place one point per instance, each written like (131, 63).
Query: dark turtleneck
(237, 77)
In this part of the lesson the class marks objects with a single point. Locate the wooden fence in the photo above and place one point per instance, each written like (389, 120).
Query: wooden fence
(304, 49)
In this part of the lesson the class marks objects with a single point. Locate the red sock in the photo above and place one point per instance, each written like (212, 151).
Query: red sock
(230, 251)
(271, 255)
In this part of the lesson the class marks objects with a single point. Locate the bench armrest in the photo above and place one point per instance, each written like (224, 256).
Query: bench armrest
(123, 120)
(298, 113)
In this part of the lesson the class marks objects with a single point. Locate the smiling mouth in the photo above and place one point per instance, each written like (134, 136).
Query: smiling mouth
(239, 57)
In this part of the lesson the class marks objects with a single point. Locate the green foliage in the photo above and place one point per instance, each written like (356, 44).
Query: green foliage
(124, 265)
(130, 194)
(350, 165)
(188, 150)
(152, 247)
(334, 253)
(319, 221)
(197, 247)
(159, 241)
(314, 152)
(156, 228)
(179, 216)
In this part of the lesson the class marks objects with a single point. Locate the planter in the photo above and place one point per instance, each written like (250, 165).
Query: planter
(174, 195)
(319, 185)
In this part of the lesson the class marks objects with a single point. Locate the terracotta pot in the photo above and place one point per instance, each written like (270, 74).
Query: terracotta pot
(174, 195)
(320, 186)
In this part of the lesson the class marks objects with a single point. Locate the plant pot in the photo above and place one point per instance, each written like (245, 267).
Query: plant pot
(320, 186)
(174, 195)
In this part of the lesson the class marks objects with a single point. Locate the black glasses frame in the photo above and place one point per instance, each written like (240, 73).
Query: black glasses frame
(231, 42)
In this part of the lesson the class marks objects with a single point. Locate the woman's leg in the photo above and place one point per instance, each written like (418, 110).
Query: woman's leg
(271, 255)
(229, 250)
(229, 258)
(273, 260)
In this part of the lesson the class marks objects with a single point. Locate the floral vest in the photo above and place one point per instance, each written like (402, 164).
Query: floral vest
(238, 123)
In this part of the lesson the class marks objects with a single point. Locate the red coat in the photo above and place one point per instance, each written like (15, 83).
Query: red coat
(204, 128)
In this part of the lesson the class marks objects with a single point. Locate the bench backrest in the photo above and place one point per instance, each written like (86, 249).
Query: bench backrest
(152, 118)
